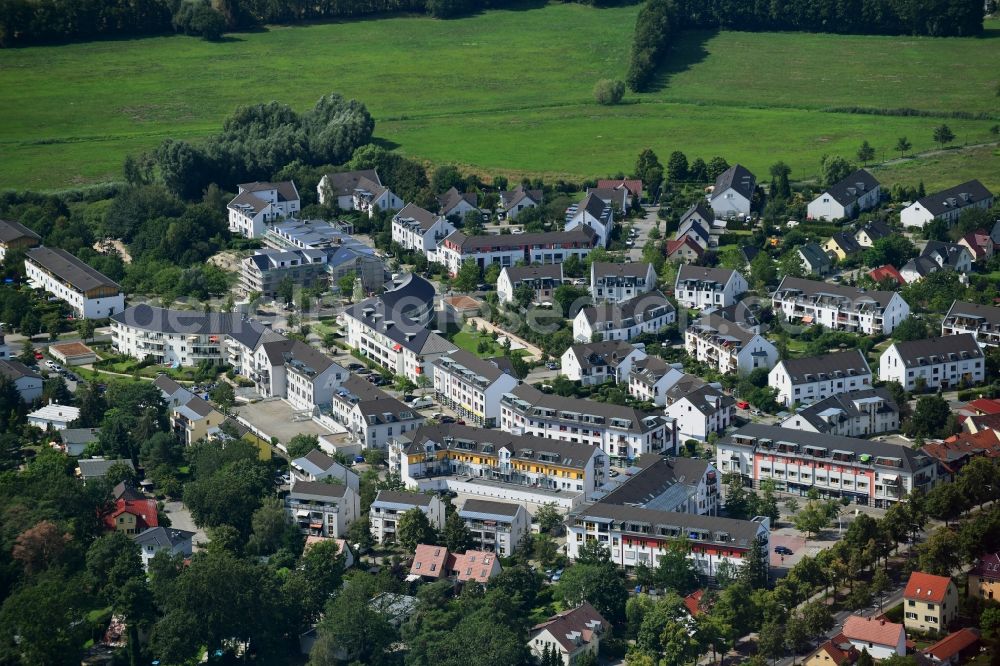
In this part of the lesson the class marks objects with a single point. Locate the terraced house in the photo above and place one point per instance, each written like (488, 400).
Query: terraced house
(646, 313)
(980, 321)
(839, 307)
(946, 362)
(551, 247)
(16, 236)
(471, 386)
(90, 293)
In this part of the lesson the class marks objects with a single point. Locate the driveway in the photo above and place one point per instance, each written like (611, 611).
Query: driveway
(642, 225)
(180, 518)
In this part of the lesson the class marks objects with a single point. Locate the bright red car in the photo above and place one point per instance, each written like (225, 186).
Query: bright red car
(743, 404)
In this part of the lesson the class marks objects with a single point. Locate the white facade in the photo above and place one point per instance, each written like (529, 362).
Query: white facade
(496, 527)
(698, 417)
(698, 287)
(389, 507)
(54, 416)
(322, 509)
(307, 390)
(652, 385)
(471, 386)
(838, 307)
(728, 346)
(594, 213)
(419, 230)
(946, 205)
(804, 386)
(647, 313)
(259, 204)
(509, 249)
(596, 363)
(90, 294)
(615, 283)
(853, 414)
(947, 362)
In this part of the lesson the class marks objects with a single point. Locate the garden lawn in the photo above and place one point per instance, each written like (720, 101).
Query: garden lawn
(469, 338)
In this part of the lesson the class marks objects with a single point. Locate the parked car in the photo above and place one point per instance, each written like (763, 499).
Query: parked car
(743, 404)
(421, 403)
(354, 367)
(783, 550)
(447, 419)
(551, 365)
(39, 356)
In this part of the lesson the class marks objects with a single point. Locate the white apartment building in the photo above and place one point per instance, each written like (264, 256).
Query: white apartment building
(311, 377)
(731, 346)
(390, 505)
(853, 414)
(839, 307)
(592, 363)
(646, 313)
(471, 386)
(651, 378)
(699, 411)
(857, 192)
(684, 485)
(700, 287)
(552, 247)
(371, 415)
(322, 509)
(592, 212)
(803, 381)
(419, 230)
(90, 293)
(620, 282)
(317, 466)
(981, 321)
(935, 363)
(542, 280)
(733, 192)
(259, 204)
(496, 527)
(946, 205)
(357, 190)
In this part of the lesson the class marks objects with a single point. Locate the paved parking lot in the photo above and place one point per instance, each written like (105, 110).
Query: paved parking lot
(180, 518)
(797, 544)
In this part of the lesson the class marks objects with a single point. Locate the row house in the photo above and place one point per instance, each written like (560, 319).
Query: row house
(651, 378)
(88, 292)
(684, 485)
(16, 236)
(437, 563)
(592, 363)
(322, 509)
(620, 282)
(419, 230)
(371, 415)
(623, 433)
(646, 313)
(595, 213)
(805, 380)
(857, 192)
(390, 505)
(980, 321)
(551, 247)
(259, 204)
(934, 363)
(496, 527)
(542, 280)
(729, 342)
(699, 287)
(699, 410)
(947, 204)
(860, 413)
(979, 244)
(471, 386)
(839, 307)
(865, 471)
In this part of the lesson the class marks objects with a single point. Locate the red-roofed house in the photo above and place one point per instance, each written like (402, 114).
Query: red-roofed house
(131, 515)
(880, 637)
(956, 451)
(930, 602)
(980, 423)
(693, 602)
(342, 547)
(838, 651)
(887, 272)
(954, 648)
(683, 249)
(569, 634)
(983, 406)
(475, 565)
(431, 562)
(979, 244)
(984, 579)
(633, 185)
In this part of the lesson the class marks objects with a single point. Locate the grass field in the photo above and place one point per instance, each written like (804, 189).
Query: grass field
(501, 91)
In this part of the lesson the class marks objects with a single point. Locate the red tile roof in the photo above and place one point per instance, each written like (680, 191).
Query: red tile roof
(144, 511)
(634, 185)
(927, 587)
(430, 561)
(953, 644)
(475, 565)
(839, 655)
(673, 245)
(985, 406)
(693, 602)
(868, 630)
(886, 272)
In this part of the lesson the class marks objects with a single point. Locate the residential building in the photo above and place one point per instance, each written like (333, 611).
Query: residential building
(342, 548)
(517, 200)
(633, 185)
(542, 280)
(699, 287)
(472, 386)
(295, 234)
(684, 250)
(955, 648)
(842, 245)
(27, 382)
(496, 527)
(979, 244)
(619, 198)
(868, 472)
(322, 509)
(699, 411)
(620, 282)
(984, 578)
(872, 231)
(955, 452)
(163, 539)
(310, 376)
(454, 205)
(839, 307)
(693, 228)
(76, 440)
(803, 381)
(646, 313)
(702, 217)
(132, 514)
(748, 253)
(855, 193)
(946, 362)
(436, 563)
(814, 259)
(89, 469)
(861, 413)
(930, 603)
(259, 204)
(357, 190)
(592, 212)
(651, 378)
(317, 466)
(16, 236)
(592, 363)
(569, 634)
(948, 256)
(623, 433)
(838, 651)
(880, 637)
(390, 505)
(918, 268)
(635, 535)
(729, 339)
(195, 420)
(53, 416)
(90, 293)
(420, 230)
(980, 321)
(550, 247)
(946, 205)
(264, 271)
(430, 563)
(370, 414)
(396, 608)
(683, 485)
(887, 274)
(733, 192)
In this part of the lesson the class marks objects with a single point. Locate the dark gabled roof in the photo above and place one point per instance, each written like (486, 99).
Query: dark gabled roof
(452, 198)
(192, 322)
(815, 255)
(163, 537)
(307, 359)
(843, 406)
(634, 269)
(598, 354)
(849, 363)
(638, 421)
(635, 309)
(876, 230)
(945, 254)
(699, 209)
(573, 628)
(516, 274)
(749, 252)
(320, 459)
(706, 398)
(720, 276)
(79, 435)
(656, 475)
(819, 289)
(723, 330)
(847, 242)
(740, 532)
(487, 507)
(737, 177)
(344, 183)
(69, 269)
(611, 196)
(694, 227)
(98, 467)
(318, 488)
(959, 196)
(922, 266)
(989, 315)
(938, 350)
(11, 231)
(422, 217)
(582, 234)
(285, 188)
(402, 497)
(487, 369)
(510, 199)
(16, 370)
(853, 187)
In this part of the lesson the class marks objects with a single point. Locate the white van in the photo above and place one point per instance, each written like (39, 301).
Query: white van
(421, 403)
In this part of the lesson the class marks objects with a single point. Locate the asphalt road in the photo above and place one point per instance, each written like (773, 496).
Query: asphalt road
(643, 225)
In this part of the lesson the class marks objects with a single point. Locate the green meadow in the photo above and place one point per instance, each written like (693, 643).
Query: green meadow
(506, 91)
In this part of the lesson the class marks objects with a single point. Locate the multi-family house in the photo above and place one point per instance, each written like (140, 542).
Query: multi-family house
(620, 282)
(857, 192)
(945, 362)
(592, 363)
(937, 256)
(733, 192)
(27, 382)
(699, 287)
(683, 250)
(357, 190)
(370, 414)
(436, 563)
(258, 204)
(623, 433)
(542, 280)
(592, 212)
(871, 231)
(517, 200)
(265, 270)
(311, 377)
(651, 378)
(861, 413)
(569, 635)
(472, 386)
(864, 471)
(699, 410)
(195, 420)
(979, 244)
(619, 198)
(839, 307)
(930, 603)
(496, 527)
(323, 509)
(877, 636)
(814, 259)
(16, 236)
(805, 380)
(420, 230)
(454, 205)
(163, 539)
(90, 293)
(550, 247)
(842, 245)
(729, 339)
(684, 485)
(317, 466)
(947, 204)
(984, 578)
(390, 505)
(646, 313)
(697, 223)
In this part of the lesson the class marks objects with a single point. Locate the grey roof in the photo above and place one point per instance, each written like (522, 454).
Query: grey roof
(452, 198)
(818, 290)
(196, 408)
(457, 360)
(248, 200)
(849, 363)
(307, 359)
(581, 235)
(376, 406)
(602, 270)
(841, 406)
(79, 435)
(628, 313)
(737, 177)
(599, 354)
(690, 226)
(915, 353)
(847, 242)
(510, 199)
(753, 433)
(987, 317)
(532, 401)
(594, 206)
(11, 231)
(69, 269)
(95, 468)
(412, 213)
(474, 508)
(700, 209)
(959, 196)
(518, 274)
(317, 488)
(162, 537)
(817, 258)
(649, 370)
(853, 187)
(398, 497)
(722, 330)
(355, 389)
(922, 266)
(659, 482)
(192, 322)
(344, 183)
(612, 195)
(285, 188)
(389, 317)
(320, 460)
(945, 254)
(706, 398)
(16, 370)
(636, 520)
(876, 230)
(719, 276)
(749, 252)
